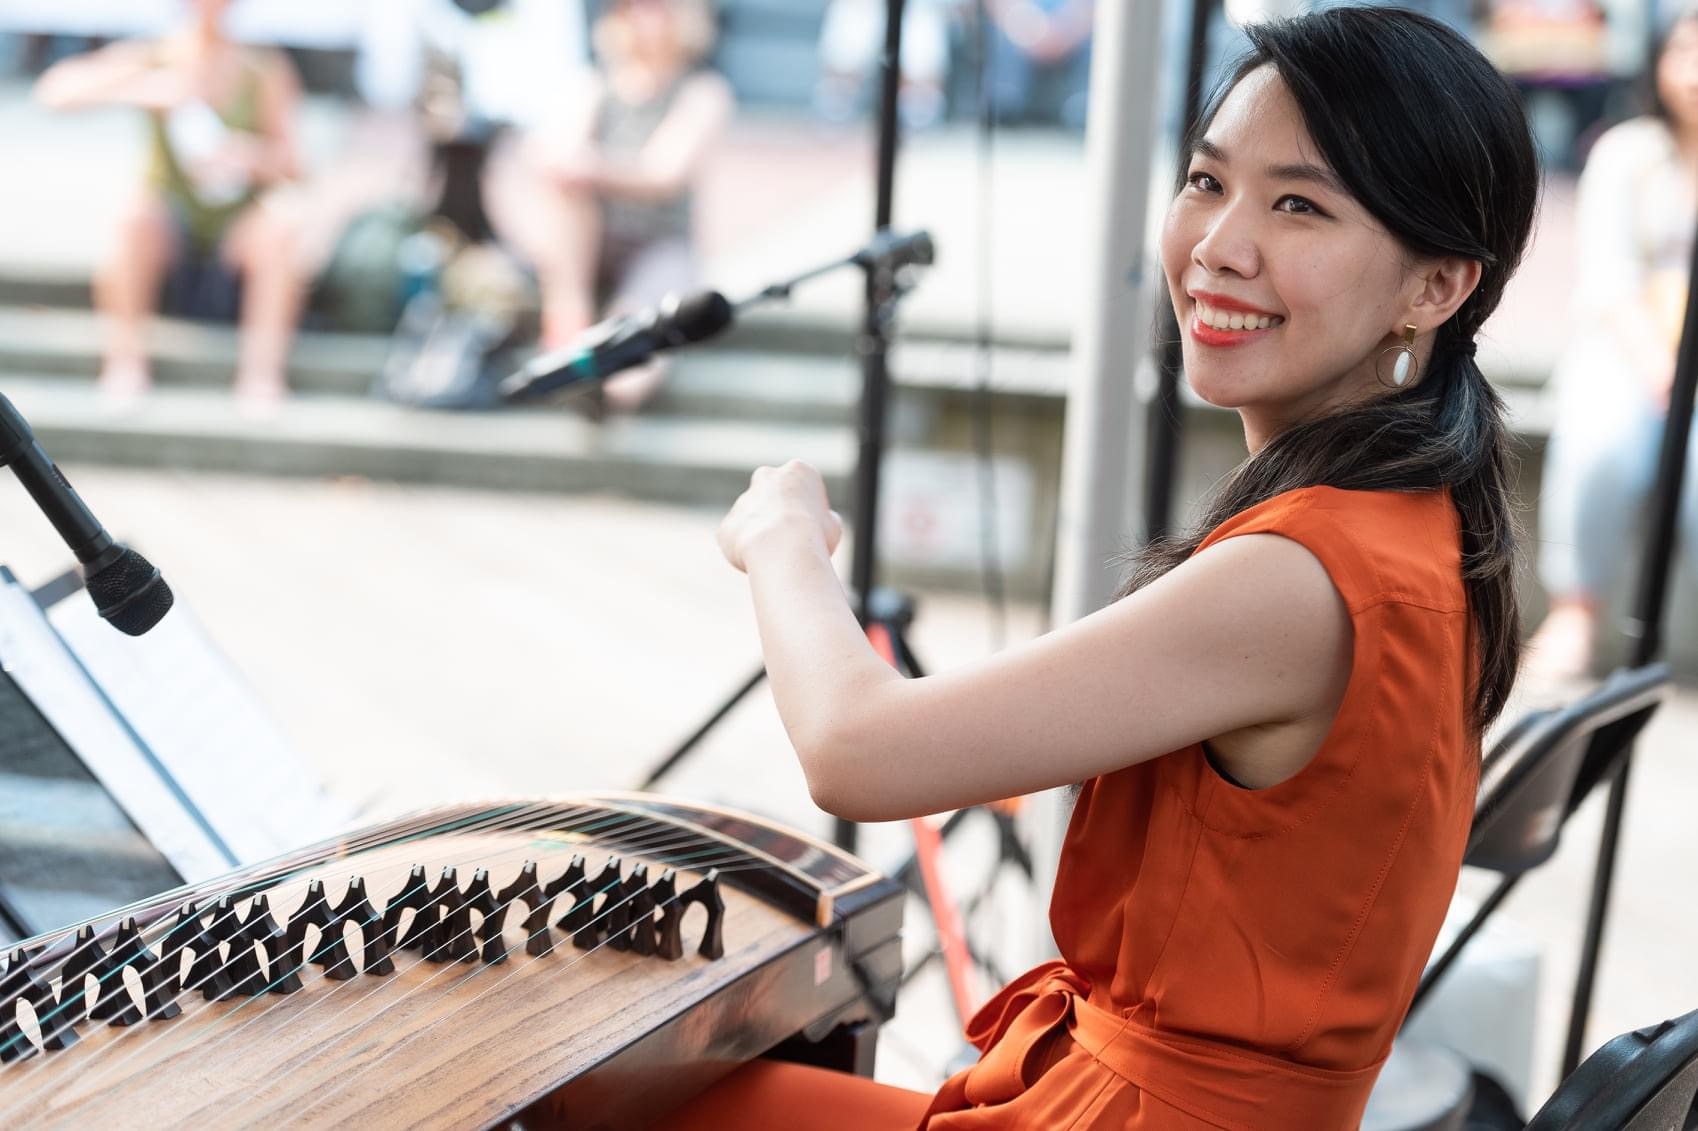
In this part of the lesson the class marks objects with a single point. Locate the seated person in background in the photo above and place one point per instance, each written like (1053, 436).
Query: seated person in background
(851, 43)
(1633, 221)
(605, 214)
(221, 142)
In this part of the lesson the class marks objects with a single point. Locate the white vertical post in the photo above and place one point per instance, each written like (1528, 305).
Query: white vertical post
(1102, 470)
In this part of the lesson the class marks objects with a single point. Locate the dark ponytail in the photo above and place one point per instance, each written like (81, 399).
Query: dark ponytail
(1432, 141)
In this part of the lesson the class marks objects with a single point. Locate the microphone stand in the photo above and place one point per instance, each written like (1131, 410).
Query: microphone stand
(877, 611)
(886, 260)
(884, 614)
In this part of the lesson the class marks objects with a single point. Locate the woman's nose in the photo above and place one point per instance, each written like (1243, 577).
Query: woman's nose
(1228, 244)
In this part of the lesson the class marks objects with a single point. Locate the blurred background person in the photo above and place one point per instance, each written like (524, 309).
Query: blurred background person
(513, 58)
(1635, 212)
(851, 41)
(1034, 41)
(212, 224)
(607, 215)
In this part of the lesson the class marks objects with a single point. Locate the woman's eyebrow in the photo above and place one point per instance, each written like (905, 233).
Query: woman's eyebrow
(1299, 171)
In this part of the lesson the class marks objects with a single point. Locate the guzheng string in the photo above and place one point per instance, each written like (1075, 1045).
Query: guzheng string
(270, 879)
(273, 875)
(501, 820)
(662, 838)
(484, 821)
(349, 1078)
(270, 875)
(706, 862)
(387, 851)
(507, 818)
(338, 991)
(185, 1037)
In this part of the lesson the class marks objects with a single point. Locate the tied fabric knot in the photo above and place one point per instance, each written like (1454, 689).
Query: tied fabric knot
(1012, 1026)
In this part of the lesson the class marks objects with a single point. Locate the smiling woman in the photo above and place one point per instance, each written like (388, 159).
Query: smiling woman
(1278, 724)
(1273, 257)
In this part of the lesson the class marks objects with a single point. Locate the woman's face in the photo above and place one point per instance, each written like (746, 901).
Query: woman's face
(1263, 237)
(1677, 73)
(653, 31)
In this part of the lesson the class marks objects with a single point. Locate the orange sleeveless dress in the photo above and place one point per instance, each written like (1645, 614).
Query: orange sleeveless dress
(1231, 958)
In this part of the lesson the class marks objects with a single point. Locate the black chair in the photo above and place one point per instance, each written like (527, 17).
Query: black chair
(1646, 1080)
(1537, 773)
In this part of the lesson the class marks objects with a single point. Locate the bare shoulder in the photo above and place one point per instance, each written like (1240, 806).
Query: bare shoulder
(1277, 578)
(276, 70)
(1267, 603)
(709, 87)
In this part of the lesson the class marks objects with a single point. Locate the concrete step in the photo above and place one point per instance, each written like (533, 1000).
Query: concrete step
(780, 377)
(800, 328)
(659, 458)
(50, 341)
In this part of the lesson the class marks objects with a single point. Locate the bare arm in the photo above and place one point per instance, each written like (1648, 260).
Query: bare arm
(126, 74)
(277, 156)
(1610, 267)
(1245, 634)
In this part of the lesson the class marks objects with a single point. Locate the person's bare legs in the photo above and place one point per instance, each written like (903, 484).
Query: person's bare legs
(647, 275)
(558, 231)
(630, 390)
(264, 246)
(126, 291)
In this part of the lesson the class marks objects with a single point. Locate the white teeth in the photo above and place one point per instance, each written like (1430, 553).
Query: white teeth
(1233, 320)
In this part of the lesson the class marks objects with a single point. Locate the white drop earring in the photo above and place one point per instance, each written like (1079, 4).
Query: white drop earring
(1403, 365)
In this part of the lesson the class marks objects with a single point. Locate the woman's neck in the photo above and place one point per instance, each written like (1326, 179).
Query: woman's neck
(640, 80)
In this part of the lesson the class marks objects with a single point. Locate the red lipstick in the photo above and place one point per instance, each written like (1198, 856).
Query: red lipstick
(1207, 335)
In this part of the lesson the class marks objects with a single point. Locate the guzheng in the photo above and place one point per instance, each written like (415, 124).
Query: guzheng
(584, 962)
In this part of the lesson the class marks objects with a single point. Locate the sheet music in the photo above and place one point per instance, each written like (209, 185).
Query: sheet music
(38, 661)
(201, 720)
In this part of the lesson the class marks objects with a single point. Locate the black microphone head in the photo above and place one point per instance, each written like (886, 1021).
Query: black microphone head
(130, 594)
(698, 316)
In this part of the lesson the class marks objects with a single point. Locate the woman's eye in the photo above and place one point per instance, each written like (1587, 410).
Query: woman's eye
(1297, 206)
(1203, 182)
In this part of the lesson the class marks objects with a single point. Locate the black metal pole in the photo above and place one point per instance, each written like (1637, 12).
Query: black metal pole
(1166, 423)
(1645, 629)
(874, 345)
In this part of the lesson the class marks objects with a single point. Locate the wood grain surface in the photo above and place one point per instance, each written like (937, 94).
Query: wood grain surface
(456, 1044)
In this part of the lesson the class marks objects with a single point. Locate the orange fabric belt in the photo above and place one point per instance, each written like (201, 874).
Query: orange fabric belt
(1219, 1083)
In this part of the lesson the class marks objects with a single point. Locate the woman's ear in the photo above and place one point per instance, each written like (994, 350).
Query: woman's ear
(1446, 284)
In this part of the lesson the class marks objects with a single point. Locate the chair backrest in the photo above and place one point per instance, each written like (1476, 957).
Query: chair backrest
(1640, 1081)
(1546, 764)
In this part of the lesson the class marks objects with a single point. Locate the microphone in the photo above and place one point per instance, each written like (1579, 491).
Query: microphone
(127, 590)
(620, 343)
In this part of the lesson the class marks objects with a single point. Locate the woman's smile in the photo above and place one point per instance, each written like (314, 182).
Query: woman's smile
(1223, 322)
